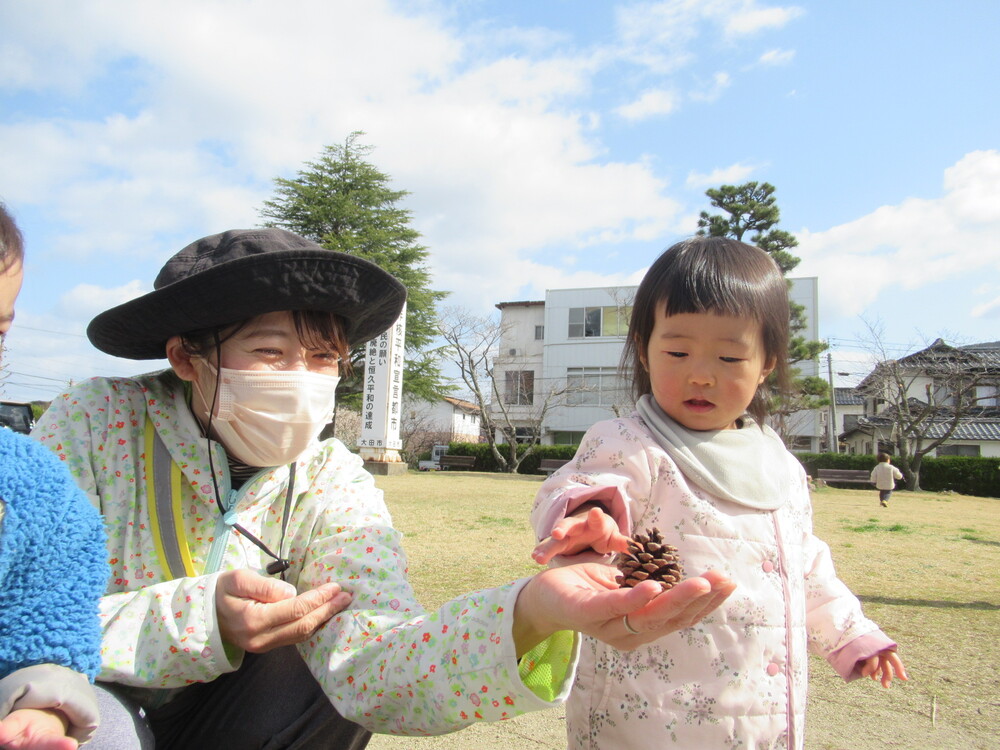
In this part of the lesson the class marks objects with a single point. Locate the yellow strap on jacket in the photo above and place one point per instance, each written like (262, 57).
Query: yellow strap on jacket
(163, 490)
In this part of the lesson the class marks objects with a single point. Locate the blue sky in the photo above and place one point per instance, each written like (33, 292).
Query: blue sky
(546, 145)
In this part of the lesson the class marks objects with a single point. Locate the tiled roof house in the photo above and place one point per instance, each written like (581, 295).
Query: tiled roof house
(978, 431)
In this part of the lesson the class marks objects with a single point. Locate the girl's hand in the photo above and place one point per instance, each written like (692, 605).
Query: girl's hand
(882, 667)
(35, 728)
(594, 530)
(587, 599)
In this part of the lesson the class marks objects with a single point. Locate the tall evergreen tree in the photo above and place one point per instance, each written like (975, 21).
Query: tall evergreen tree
(343, 202)
(752, 208)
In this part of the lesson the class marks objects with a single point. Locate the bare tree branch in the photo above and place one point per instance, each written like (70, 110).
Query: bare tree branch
(474, 347)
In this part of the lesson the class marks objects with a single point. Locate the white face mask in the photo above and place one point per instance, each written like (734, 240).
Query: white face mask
(269, 417)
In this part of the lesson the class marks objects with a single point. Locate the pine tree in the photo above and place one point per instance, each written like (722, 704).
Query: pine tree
(343, 202)
(752, 208)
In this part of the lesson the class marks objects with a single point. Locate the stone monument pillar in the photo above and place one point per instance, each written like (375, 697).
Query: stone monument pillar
(382, 407)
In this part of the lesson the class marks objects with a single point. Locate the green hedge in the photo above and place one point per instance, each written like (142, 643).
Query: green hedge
(485, 461)
(968, 476)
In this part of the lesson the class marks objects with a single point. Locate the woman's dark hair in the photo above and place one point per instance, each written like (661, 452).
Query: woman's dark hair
(713, 275)
(11, 240)
(317, 329)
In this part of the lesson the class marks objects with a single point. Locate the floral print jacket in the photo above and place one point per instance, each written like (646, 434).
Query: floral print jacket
(738, 678)
(384, 662)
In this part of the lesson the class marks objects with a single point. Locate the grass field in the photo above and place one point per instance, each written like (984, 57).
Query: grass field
(927, 570)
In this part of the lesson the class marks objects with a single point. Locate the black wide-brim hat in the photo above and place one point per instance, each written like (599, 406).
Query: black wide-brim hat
(230, 277)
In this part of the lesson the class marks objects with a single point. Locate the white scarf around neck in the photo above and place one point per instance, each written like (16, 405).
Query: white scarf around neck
(748, 466)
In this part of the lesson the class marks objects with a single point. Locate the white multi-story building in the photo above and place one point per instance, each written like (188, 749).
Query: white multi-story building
(558, 363)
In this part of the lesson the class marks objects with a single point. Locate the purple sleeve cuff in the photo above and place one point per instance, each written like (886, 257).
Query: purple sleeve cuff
(845, 660)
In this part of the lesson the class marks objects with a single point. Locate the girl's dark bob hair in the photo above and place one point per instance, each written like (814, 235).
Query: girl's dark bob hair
(720, 276)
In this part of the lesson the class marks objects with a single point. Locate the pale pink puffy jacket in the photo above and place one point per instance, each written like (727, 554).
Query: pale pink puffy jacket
(738, 678)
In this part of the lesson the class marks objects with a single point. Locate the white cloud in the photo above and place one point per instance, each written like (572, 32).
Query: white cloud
(734, 174)
(501, 150)
(776, 57)
(84, 301)
(499, 167)
(749, 19)
(911, 245)
(989, 309)
(649, 104)
(661, 36)
(713, 90)
(972, 185)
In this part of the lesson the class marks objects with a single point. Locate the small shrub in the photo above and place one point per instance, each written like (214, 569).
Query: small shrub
(486, 461)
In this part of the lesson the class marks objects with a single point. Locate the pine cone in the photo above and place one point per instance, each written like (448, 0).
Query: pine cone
(649, 558)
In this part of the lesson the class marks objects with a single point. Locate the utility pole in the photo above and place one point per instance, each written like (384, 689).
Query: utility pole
(834, 443)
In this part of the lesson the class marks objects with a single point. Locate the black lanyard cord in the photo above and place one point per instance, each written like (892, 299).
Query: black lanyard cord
(279, 564)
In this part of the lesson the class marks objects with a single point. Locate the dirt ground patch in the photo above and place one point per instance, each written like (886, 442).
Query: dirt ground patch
(927, 570)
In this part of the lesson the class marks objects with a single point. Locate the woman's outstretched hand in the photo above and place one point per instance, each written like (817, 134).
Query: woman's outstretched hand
(587, 599)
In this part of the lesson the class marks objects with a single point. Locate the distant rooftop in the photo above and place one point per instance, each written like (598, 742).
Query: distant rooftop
(525, 303)
(466, 406)
(848, 397)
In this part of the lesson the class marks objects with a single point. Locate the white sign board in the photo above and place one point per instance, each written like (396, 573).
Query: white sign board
(382, 407)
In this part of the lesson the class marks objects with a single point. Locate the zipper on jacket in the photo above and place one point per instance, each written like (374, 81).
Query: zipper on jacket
(226, 519)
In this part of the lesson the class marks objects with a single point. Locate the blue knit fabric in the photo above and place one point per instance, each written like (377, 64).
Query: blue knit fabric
(53, 563)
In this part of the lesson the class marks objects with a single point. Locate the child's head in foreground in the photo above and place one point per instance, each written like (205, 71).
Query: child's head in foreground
(709, 325)
(883, 458)
(11, 268)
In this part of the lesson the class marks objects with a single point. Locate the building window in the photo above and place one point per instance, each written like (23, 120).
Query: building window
(520, 387)
(958, 450)
(943, 394)
(988, 395)
(524, 434)
(585, 322)
(594, 386)
(800, 443)
(539, 333)
(564, 437)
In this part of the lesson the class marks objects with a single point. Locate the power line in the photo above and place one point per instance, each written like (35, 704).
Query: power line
(21, 327)
(40, 377)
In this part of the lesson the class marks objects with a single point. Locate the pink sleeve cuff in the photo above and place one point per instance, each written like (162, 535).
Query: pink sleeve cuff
(609, 496)
(845, 660)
